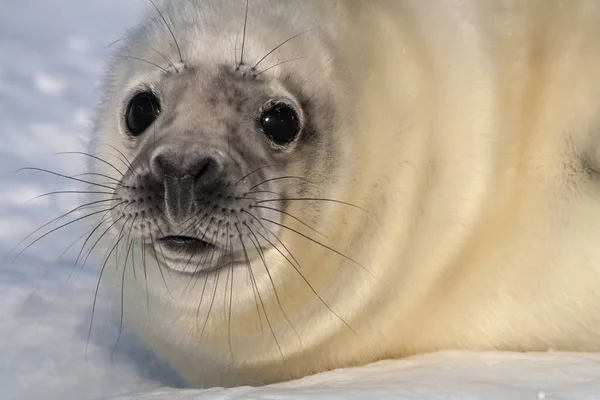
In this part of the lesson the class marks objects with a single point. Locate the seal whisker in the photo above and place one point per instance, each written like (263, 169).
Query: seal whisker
(125, 160)
(142, 60)
(200, 261)
(50, 267)
(243, 37)
(311, 199)
(133, 268)
(296, 268)
(201, 293)
(264, 261)
(102, 222)
(145, 270)
(93, 157)
(91, 249)
(312, 289)
(100, 175)
(279, 45)
(230, 297)
(210, 307)
(275, 236)
(159, 266)
(213, 296)
(96, 290)
(255, 285)
(291, 216)
(321, 244)
(167, 59)
(72, 192)
(277, 65)
(279, 179)
(195, 225)
(55, 220)
(122, 306)
(56, 229)
(170, 30)
(254, 171)
(63, 176)
(264, 191)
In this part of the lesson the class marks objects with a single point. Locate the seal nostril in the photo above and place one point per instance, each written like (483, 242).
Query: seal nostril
(203, 169)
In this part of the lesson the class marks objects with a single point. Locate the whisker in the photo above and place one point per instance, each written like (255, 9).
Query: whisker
(96, 294)
(91, 156)
(197, 277)
(51, 266)
(159, 265)
(297, 269)
(243, 37)
(142, 60)
(312, 289)
(70, 192)
(278, 46)
(51, 222)
(277, 65)
(122, 314)
(63, 176)
(91, 233)
(264, 261)
(202, 258)
(170, 31)
(230, 295)
(145, 269)
(89, 252)
(311, 199)
(253, 279)
(256, 170)
(126, 160)
(58, 228)
(320, 244)
(213, 296)
(167, 59)
(275, 236)
(264, 191)
(279, 179)
(101, 175)
(291, 216)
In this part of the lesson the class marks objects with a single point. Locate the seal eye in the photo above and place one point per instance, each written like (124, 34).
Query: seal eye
(280, 123)
(142, 111)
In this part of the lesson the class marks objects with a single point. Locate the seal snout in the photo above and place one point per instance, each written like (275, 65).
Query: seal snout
(185, 172)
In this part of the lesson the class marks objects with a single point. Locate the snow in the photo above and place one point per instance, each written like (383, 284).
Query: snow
(52, 54)
(447, 375)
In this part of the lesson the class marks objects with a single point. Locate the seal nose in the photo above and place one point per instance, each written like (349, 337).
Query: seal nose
(184, 172)
(200, 167)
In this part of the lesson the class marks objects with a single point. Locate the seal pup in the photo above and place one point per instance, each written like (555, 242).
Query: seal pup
(321, 184)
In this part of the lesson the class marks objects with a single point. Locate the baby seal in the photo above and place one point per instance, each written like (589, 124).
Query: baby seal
(308, 185)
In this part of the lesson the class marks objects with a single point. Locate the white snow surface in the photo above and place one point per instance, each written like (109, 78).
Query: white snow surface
(51, 58)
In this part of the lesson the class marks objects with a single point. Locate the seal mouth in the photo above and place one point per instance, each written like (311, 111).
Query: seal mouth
(184, 244)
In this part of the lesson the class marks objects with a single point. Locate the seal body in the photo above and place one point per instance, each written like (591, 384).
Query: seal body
(439, 190)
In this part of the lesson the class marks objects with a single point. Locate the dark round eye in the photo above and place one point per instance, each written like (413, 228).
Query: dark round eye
(280, 123)
(142, 111)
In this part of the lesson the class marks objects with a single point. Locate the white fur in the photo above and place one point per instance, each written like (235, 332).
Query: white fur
(463, 129)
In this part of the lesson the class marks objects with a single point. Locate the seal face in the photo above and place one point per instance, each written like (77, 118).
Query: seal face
(207, 151)
(303, 186)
